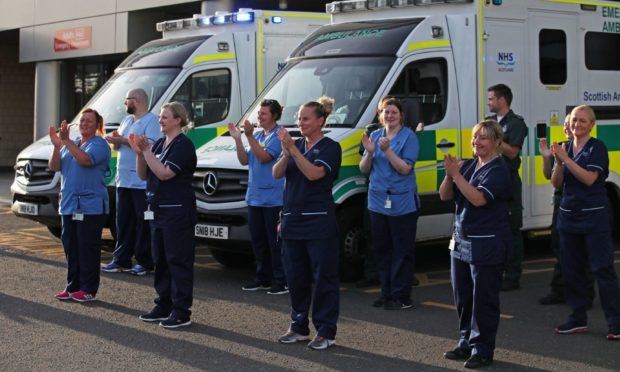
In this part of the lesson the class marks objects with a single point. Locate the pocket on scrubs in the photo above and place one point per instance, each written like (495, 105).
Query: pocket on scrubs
(584, 222)
(487, 250)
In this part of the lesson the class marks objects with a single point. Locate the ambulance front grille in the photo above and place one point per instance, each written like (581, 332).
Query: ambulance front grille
(214, 185)
(33, 172)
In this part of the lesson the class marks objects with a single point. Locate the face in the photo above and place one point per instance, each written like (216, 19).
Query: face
(567, 131)
(581, 125)
(309, 122)
(493, 102)
(483, 144)
(88, 124)
(167, 121)
(265, 118)
(390, 116)
(130, 104)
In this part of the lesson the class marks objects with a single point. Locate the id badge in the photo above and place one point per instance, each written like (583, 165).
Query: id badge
(78, 216)
(149, 215)
(387, 204)
(452, 244)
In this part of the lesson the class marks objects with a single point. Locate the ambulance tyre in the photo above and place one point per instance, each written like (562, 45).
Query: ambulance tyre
(352, 241)
(56, 231)
(232, 259)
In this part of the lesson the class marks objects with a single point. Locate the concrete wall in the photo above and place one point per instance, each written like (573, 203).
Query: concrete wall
(16, 108)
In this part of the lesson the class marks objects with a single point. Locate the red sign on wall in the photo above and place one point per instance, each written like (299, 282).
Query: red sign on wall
(72, 38)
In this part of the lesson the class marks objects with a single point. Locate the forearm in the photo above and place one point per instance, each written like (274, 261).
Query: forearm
(366, 163)
(161, 171)
(80, 156)
(309, 170)
(399, 164)
(547, 167)
(472, 194)
(54, 161)
(446, 189)
(557, 176)
(279, 168)
(509, 151)
(242, 156)
(141, 167)
(261, 154)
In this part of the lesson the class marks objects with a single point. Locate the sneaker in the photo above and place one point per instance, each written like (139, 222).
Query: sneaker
(291, 337)
(278, 290)
(552, 299)
(63, 295)
(613, 335)
(255, 287)
(139, 270)
(81, 296)
(571, 327)
(174, 322)
(477, 361)
(457, 354)
(397, 305)
(379, 302)
(321, 343)
(157, 314)
(113, 267)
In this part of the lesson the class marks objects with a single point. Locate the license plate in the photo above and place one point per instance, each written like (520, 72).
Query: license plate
(211, 231)
(27, 208)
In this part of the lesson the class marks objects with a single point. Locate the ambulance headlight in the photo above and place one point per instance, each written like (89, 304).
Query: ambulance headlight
(203, 21)
(243, 17)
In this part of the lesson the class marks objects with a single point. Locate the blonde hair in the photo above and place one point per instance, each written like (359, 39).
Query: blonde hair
(178, 111)
(491, 129)
(588, 111)
(323, 106)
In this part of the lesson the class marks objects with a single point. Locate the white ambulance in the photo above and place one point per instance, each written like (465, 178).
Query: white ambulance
(216, 65)
(438, 57)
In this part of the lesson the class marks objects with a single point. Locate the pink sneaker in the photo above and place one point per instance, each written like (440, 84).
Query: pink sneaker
(81, 296)
(63, 295)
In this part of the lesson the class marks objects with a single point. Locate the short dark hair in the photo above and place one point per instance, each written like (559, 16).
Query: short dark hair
(274, 107)
(502, 90)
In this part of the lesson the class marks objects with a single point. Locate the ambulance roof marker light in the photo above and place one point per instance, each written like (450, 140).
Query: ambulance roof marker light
(202, 21)
(221, 19)
(243, 17)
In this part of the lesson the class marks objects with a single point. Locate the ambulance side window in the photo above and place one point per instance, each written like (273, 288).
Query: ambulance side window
(552, 56)
(601, 51)
(206, 96)
(422, 88)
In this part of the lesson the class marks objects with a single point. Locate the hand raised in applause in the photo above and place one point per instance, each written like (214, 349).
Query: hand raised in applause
(368, 144)
(559, 151)
(54, 137)
(63, 133)
(286, 140)
(114, 138)
(384, 143)
(248, 128)
(542, 147)
(138, 143)
(452, 165)
(235, 133)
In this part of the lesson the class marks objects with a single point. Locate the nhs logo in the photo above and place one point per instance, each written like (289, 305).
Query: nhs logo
(506, 61)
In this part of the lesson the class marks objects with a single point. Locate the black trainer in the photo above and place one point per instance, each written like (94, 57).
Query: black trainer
(278, 290)
(397, 305)
(155, 315)
(255, 287)
(174, 322)
(571, 327)
(477, 361)
(457, 354)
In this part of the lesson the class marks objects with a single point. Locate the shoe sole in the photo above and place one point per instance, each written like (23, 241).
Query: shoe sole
(612, 337)
(572, 330)
(63, 298)
(139, 273)
(255, 289)
(403, 307)
(323, 346)
(277, 293)
(112, 271)
(289, 341)
(83, 300)
(189, 322)
(152, 320)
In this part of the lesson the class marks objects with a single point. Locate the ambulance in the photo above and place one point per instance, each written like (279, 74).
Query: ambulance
(439, 57)
(215, 65)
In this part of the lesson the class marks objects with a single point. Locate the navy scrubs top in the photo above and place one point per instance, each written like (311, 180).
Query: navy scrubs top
(584, 209)
(174, 197)
(483, 234)
(309, 211)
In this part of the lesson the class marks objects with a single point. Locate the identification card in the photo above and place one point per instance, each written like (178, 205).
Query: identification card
(387, 204)
(149, 215)
(78, 216)
(452, 244)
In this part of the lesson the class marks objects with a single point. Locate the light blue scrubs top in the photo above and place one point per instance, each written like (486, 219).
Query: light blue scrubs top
(83, 189)
(386, 183)
(263, 189)
(147, 125)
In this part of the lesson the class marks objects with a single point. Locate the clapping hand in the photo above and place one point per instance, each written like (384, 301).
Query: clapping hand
(368, 144)
(114, 138)
(542, 147)
(138, 143)
(63, 133)
(559, 151)
(248, 128)
(286, 140)
(384, 144)
(452, 165)
(234, 131)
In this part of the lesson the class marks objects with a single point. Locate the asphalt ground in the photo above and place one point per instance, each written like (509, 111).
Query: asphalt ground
(235, 330)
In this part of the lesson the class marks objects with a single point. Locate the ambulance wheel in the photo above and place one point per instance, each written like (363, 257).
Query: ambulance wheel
(232, 259)
(352, 241)
(56, 231)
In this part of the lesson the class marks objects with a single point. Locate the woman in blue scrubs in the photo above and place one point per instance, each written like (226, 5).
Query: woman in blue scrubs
(168, 168)
(264, 195)
(84, 204)
(390, 156)
(481, 243)
(310, 165)
(581, 167)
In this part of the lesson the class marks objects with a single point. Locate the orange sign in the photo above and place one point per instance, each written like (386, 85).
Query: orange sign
(72, 38)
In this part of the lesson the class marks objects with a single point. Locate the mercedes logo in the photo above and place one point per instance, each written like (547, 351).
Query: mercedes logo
(209, 185)
(28, 170)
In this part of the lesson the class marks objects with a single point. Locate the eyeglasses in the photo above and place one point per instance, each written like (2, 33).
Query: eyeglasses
(129, 98)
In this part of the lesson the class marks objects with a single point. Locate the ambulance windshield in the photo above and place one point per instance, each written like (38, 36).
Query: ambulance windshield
(350, 81)
(109, 100)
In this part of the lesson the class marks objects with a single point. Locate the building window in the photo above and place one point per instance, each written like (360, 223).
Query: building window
(552, 56)
(206, 96)
(602, 52)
